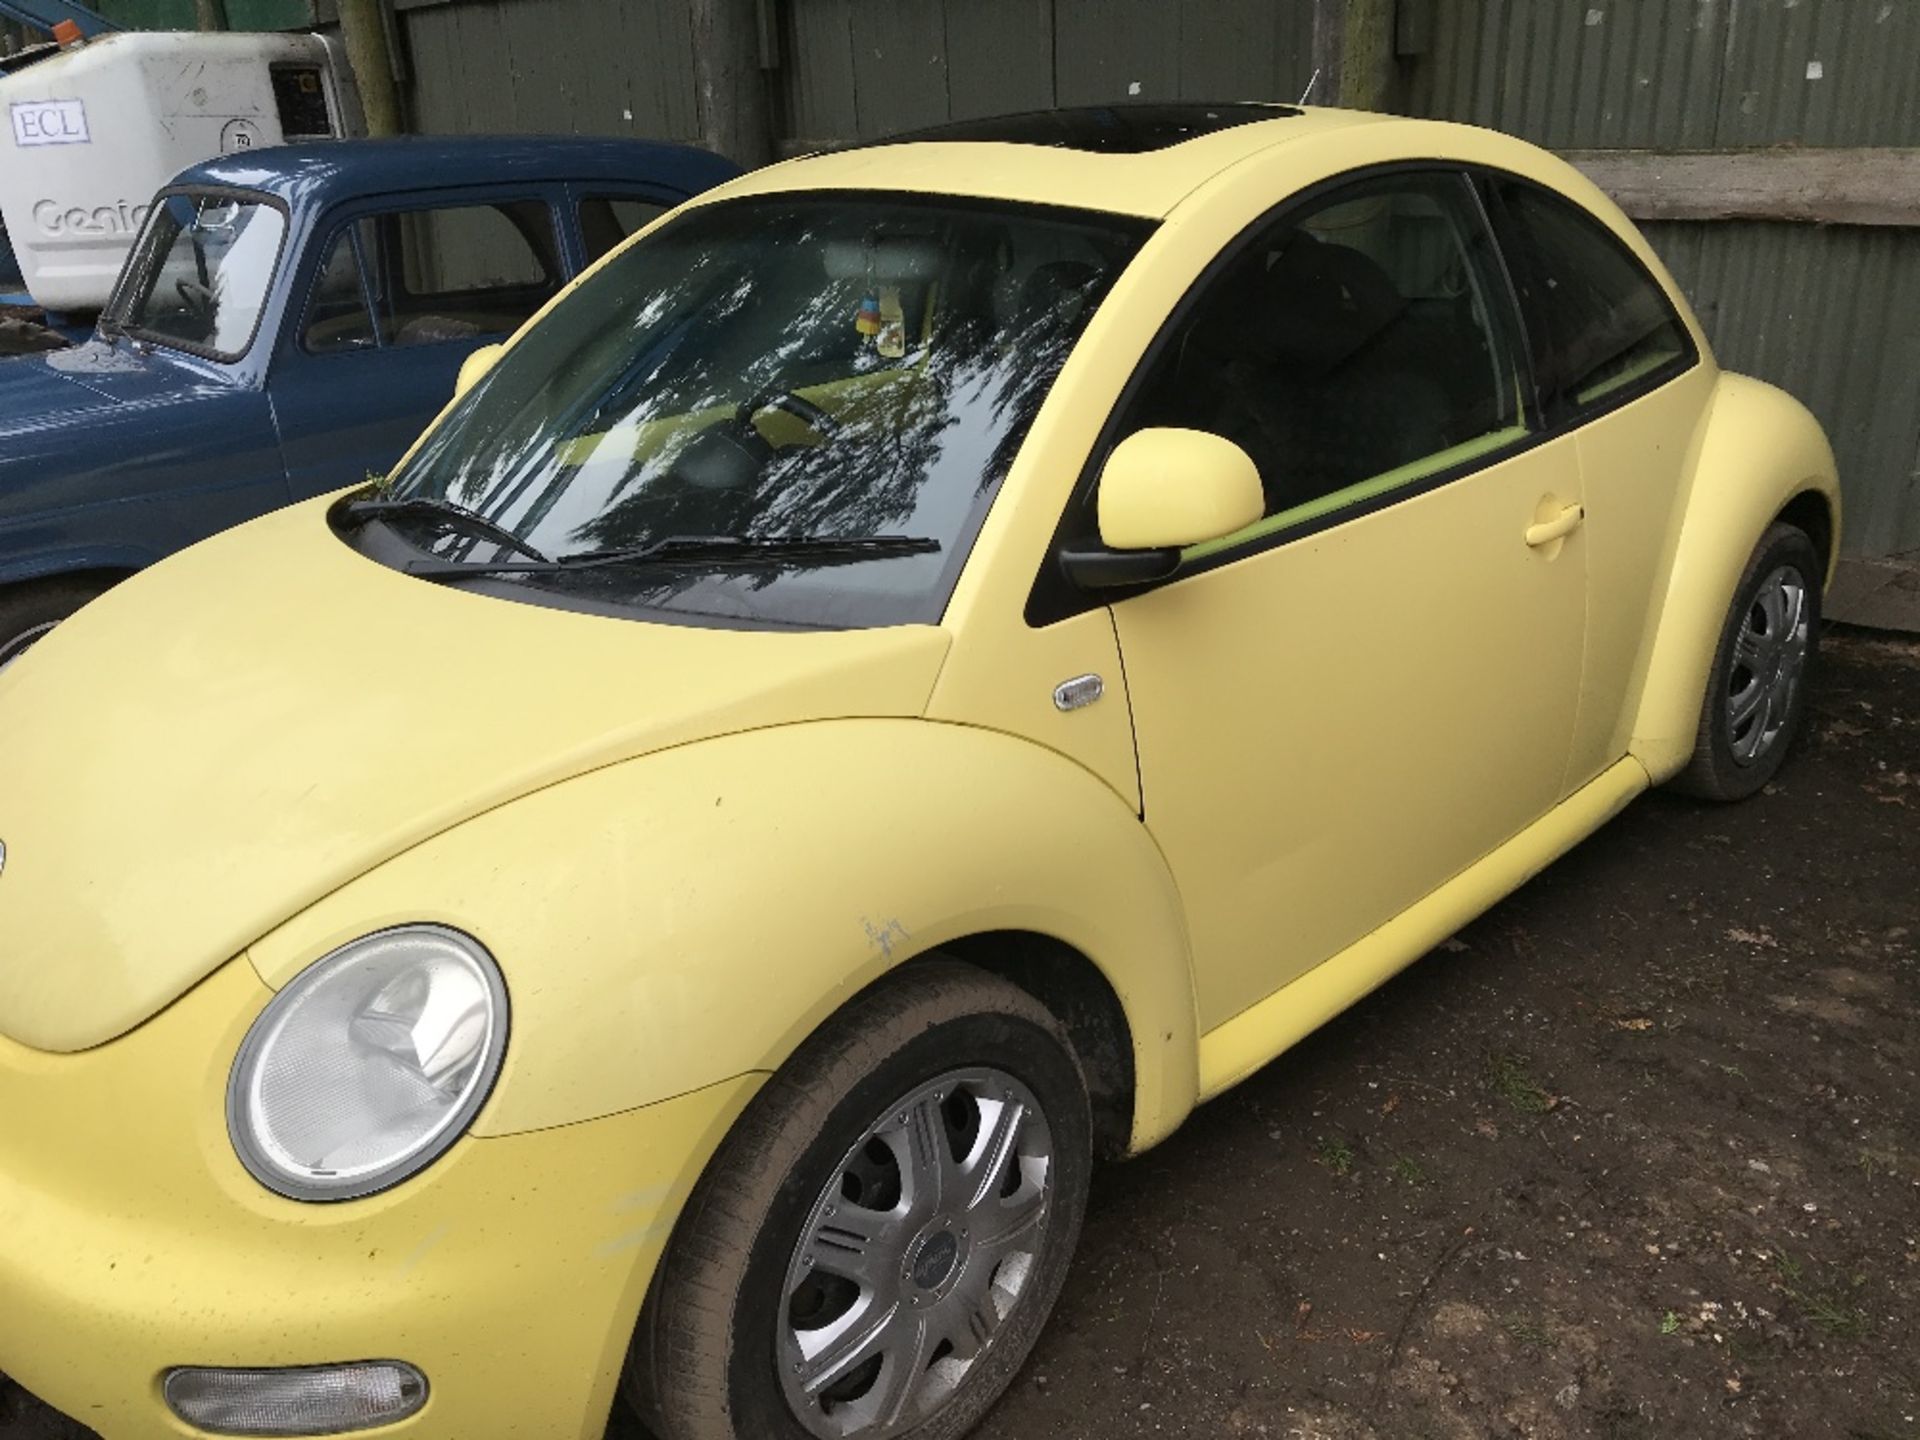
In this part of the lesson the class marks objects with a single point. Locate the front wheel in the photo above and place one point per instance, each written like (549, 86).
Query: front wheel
(1756, 695)
(28, 612)
(876, 1247)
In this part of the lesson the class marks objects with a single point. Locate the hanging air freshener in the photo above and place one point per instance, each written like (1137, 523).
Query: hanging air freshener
(892, 339)
(867, 318)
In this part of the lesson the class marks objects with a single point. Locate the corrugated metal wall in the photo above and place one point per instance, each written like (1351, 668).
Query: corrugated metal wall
(1828, 312)
(850, 69)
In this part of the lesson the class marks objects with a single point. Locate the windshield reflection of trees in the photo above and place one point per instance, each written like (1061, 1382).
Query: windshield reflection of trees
(682, 404)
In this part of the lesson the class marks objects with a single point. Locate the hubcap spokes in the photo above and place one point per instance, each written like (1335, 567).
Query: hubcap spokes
(915, 1255)
(1769, 657)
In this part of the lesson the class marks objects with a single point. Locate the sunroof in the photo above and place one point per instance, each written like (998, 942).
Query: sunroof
(1102, 129)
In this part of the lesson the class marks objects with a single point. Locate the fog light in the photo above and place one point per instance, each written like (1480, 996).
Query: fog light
(316, 1400)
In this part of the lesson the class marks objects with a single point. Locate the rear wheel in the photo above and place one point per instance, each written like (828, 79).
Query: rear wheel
(876, 1247)
(28, 612)
(1757, 691)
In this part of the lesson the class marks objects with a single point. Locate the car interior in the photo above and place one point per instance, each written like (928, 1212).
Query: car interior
(449, 273)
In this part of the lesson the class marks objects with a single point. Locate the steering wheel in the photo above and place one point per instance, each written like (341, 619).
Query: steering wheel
(196, 297)
(821, 422)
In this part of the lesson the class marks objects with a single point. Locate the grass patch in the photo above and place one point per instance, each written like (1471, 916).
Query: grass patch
(1334, 1153)
(1828, 1305)
(1408, 1171)
(1670, 1323)
(1507, 1077)
(1527, 1333)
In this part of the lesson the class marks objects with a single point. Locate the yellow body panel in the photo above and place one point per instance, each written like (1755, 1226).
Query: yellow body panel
(319, 714)
(669, 923)
(1637, 464)
(132, 1241)
(1290, 763)
(1231, 1052)
(1150, 183)
(1761, 449)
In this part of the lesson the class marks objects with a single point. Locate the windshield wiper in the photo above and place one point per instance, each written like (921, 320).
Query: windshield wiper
(711, 551)
(449, 515)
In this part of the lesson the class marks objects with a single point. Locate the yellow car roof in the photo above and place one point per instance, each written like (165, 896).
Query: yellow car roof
(1052, 169)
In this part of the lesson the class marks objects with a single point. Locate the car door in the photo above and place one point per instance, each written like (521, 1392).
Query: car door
(397, 297)
(1618, 365)
(1372, 687)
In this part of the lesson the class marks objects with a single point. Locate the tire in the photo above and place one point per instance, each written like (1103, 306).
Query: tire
(716, 1349)
(1763, 663)
(28, 611)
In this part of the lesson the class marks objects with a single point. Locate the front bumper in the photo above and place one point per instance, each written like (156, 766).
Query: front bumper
(132, 1241)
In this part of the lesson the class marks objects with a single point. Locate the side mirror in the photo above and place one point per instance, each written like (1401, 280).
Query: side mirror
(473, 367)
(1160, 491)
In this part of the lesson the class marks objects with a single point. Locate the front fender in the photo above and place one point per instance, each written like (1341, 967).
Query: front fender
(1761, 450)
(690, 916)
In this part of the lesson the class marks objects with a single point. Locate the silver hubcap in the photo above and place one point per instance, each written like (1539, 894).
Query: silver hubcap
(1769, 657)
(915, 1255)
(11, 650)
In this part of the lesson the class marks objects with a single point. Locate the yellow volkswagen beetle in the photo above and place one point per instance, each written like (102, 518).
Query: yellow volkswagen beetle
(916, 671)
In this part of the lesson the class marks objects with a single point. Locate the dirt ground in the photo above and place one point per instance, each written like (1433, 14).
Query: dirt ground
(1635, 1155)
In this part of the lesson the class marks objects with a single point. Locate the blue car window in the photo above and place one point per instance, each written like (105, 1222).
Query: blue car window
(201, 274)
(421, 277)
(340, 317)
(608, 220)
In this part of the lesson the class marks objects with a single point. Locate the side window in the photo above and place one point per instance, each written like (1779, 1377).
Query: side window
(427, 276)
(1600, 323)
(338, 317)
(1355, 346)
(606, 220)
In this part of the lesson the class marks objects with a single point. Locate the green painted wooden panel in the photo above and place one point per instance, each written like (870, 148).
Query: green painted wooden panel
(179, 14)
(1107, 50)
(1827, 314)
(999, 57)
(817, 70)
(553, 67)
(899, 64)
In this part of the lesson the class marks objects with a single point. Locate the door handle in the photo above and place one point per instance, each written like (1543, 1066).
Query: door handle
(1558, 528)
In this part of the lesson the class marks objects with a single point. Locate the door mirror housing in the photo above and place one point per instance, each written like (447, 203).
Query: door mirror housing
(473, 367)
(1161, 490)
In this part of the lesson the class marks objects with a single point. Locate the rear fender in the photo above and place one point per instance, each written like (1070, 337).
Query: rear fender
(1762, 450)
(686, 917)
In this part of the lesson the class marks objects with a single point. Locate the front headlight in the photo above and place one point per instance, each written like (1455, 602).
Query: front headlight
(369, 1064)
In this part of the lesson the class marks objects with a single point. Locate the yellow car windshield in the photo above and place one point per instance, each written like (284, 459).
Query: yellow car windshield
(774, 369)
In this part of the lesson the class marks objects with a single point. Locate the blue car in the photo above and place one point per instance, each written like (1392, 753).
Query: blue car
(287, 323)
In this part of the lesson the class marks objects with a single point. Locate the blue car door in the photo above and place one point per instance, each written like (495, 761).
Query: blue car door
(396, 296)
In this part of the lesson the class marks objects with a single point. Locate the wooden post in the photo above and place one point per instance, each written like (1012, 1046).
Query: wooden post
(1354, 57)
(364, 28)
(729, 86)
(211, 14)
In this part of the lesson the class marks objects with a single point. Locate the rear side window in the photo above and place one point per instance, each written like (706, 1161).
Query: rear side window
(1601, 328)
(607, 220)
(420, 277)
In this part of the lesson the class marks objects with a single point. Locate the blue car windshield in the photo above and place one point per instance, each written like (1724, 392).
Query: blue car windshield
(773, 369)
(201, 272)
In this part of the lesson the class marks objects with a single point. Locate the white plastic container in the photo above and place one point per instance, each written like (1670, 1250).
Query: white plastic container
(95, 129)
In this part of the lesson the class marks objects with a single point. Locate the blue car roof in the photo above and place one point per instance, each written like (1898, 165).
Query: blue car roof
(339, 169)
